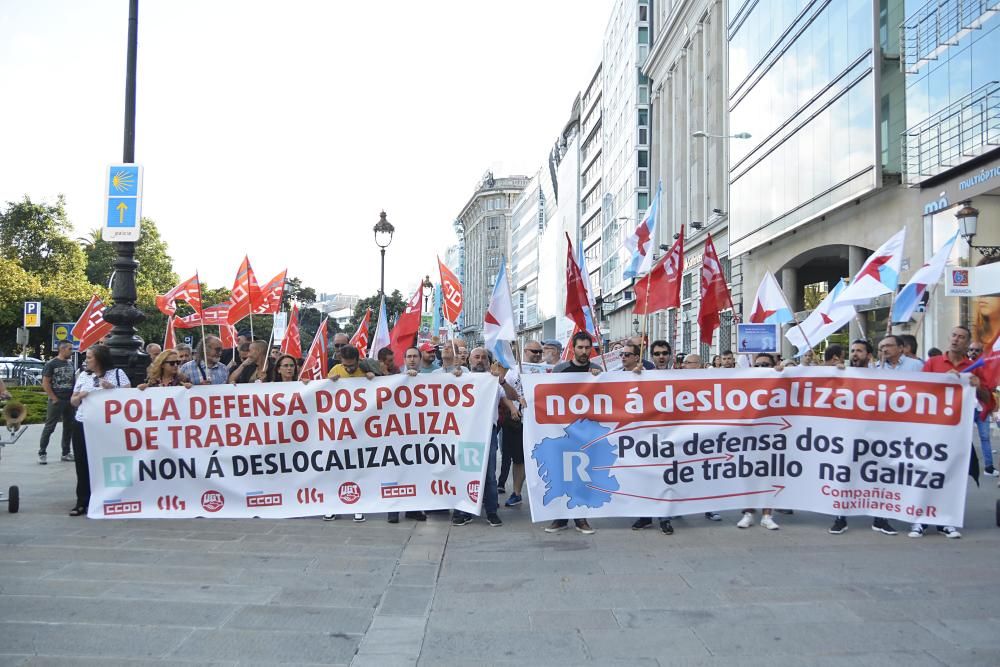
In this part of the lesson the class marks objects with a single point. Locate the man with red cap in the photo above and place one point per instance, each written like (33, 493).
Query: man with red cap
(428, 358)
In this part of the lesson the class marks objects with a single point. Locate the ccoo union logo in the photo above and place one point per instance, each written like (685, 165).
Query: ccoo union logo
(396, 490)
(118, 507)
(261, 499)
(349, 493)
(212, 501)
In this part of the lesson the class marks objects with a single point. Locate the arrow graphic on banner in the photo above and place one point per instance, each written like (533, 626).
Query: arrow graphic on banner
(725, 457)
(784, 424)
(776, 489)
(122, 207)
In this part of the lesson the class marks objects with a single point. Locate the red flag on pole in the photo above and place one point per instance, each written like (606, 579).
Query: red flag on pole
(404, 333)
(91, 327)
(576, 291)
(715, 295)
(246, 293)
(169, 340)
(360, 338)
(270, 295)
(216, 315)
(228, 335)
(315, 365)
(291, 343)
(451, 293)
(189, 291)
(661, 287)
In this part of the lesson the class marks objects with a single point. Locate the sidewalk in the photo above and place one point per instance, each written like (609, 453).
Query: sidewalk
(255, 592)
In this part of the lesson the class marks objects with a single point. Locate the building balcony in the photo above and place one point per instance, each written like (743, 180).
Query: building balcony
(938, 25)
(956, 134)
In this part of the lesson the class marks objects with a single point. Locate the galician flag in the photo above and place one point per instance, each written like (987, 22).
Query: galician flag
(828, 317)
(928, 274)
(498, 324)
(641, 243)
(770, 306)
(381, 338)
(879, 274)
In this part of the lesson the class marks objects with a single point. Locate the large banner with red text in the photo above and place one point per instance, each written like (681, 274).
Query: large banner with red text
(827, 440)
(291, 449)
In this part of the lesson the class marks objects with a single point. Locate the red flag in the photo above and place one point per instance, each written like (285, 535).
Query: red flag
(451, 293)
(576, 291)
(360, 338)
(91, 327)
(216, 315)
(228, 335)
(169, 340)
(568, 353)
(189, 291)
(404, 333)
(661, 287)
(291, 343)
(270, 295)
(714, 293)
(315, 365)
(246, 294)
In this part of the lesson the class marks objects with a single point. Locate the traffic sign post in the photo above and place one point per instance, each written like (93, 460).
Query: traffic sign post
(63, 331)
(123, 200)
(32, 313)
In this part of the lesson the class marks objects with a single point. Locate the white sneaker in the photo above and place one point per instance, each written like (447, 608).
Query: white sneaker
(329, 517)
(916, 530)
(767, 522)
(746, 521)
(950, 532)
(358, 518)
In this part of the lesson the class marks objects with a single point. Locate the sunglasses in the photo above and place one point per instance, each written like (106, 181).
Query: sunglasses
(339, 345)
(661, 354)
(533, 351)
(173, 362)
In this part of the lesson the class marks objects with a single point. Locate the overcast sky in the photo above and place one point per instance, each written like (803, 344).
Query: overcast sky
(282, 129)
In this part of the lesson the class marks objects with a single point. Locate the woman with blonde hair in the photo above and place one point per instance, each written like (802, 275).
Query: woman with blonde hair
(164, 371)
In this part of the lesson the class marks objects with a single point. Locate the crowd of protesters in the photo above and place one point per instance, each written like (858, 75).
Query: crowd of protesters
(252, 361)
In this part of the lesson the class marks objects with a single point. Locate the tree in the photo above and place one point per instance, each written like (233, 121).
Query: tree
(294, 291)
(155, 264)
(37, 236)
(394, 307)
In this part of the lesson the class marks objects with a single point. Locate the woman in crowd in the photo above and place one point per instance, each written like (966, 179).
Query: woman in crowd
(986, 313)
(163, 372)
(286, 369)
(99, 373)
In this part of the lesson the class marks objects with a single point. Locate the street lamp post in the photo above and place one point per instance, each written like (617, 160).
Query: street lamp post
(968, 226)
(124, 343)
(383, 237)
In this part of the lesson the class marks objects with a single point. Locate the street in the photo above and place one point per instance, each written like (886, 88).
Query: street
(303, 591)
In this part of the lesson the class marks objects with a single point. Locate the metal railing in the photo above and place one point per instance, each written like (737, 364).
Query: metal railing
(938, 25)
(956, 134)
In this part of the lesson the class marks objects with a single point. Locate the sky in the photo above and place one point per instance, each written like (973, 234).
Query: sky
(281, 130)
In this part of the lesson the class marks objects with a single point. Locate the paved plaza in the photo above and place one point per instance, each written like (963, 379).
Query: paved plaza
(303, 591)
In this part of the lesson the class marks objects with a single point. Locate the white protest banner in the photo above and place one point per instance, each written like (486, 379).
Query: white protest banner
(827, 440)
(289, 449)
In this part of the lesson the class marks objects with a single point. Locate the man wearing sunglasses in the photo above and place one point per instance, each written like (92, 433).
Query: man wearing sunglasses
(661, 353)
(210, 369)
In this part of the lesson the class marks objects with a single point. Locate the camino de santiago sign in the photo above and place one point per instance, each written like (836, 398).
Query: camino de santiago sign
(289, 449)
(839, 442)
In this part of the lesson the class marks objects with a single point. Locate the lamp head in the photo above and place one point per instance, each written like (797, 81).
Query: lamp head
(383, 231)
(968, 220)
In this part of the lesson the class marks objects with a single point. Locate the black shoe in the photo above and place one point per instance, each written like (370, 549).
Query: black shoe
(501, 489)
(784, 511)
(883, 526)
(494, 520)
(462, 519)
(416, 516)
(839, 526)
(644, 522)
(392, 517)
(666, 527)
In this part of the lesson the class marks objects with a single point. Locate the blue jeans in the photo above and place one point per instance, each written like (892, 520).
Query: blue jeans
(984, 440)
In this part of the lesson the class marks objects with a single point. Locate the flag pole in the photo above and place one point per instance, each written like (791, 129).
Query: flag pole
(888, 319)
(594, 320)
(645, 317)
(249, 299)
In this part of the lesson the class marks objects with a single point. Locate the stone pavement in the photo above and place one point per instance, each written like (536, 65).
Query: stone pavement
(302, 591)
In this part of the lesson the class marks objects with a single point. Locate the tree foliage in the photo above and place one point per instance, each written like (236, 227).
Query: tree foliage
(37, 236)
(394, 307)
(155, 265)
